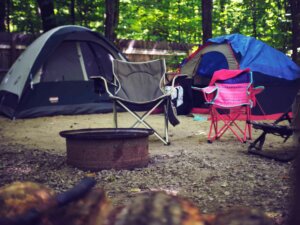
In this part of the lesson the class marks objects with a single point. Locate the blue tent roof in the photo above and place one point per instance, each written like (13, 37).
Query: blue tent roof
(260, 57)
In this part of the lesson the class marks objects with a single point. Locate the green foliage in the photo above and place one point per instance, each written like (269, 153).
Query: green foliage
(87, 13)
(167, 20)
(24, 17)
(237, 16)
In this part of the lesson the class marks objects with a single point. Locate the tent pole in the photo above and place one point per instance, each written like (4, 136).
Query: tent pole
(85, 77)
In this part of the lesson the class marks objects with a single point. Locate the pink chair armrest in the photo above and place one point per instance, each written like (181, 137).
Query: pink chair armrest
(254, 92)
(257, 90)
(209, 92)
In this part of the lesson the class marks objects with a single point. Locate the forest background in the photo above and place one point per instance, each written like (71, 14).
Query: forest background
(275, 22)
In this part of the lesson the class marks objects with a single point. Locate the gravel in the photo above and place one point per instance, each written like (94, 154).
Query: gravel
(214, 176)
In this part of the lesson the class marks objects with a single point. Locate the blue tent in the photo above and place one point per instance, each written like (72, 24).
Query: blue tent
(260, 57)
(271, 68)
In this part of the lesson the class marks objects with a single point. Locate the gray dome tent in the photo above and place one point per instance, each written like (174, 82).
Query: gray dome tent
(51, 77)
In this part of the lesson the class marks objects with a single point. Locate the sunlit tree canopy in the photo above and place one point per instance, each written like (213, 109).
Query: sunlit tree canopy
(167, 20)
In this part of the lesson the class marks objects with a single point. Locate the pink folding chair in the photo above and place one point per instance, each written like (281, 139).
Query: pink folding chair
(230, 96)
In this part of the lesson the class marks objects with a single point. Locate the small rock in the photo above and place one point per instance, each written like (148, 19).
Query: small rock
(224, 184)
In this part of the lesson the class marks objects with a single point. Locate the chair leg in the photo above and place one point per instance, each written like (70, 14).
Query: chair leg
(138, 122)
(166, 119)
(141, 120)
(213, 126)
(227, 124)
(242, 132)
(248, 124)
(258, 143)
(229, 120)
(115, 114)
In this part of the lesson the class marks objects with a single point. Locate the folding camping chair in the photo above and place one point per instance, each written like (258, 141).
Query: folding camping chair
(230, 96)
(140, 86)
(283, 126)
(275, 128)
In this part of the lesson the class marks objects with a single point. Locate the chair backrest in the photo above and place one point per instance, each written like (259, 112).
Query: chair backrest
(139, 81)
(234, 91)
(245, 77)
(231, 95)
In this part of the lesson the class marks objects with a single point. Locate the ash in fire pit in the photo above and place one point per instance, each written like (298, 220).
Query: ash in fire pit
(107, 148)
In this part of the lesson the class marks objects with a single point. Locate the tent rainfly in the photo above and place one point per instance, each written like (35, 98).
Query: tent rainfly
(51, 77)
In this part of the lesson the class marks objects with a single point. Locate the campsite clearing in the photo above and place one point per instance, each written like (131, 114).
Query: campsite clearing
(214, 176)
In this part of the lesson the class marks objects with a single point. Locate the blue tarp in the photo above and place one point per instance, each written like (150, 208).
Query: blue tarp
(260, 57)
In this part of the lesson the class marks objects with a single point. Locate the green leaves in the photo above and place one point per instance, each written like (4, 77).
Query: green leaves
(166, 20)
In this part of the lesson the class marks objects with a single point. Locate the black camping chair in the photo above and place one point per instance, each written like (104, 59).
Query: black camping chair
(140, 86)
(274, 128)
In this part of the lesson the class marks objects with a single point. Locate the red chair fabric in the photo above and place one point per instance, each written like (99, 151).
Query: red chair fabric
(231, 96)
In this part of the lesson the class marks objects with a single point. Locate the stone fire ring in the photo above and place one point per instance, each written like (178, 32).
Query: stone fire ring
(107, 148)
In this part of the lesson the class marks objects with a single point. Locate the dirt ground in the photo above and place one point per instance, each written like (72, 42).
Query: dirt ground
(214, 176)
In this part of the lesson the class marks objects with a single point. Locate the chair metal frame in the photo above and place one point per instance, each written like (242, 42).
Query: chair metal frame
(163, 100)
(233, 112)
(284, 131)
(230, 123)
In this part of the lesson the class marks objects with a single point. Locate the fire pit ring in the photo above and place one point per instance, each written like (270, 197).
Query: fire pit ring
(107, 148)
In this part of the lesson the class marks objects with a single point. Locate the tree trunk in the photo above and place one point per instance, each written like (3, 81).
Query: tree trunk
(7, 15)
(179, 21)
(72, 11)
(47, 14)
(295, 13)
(206, 19)
(222, 10)
(112, 18)
(254, 17)
(2, 15)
